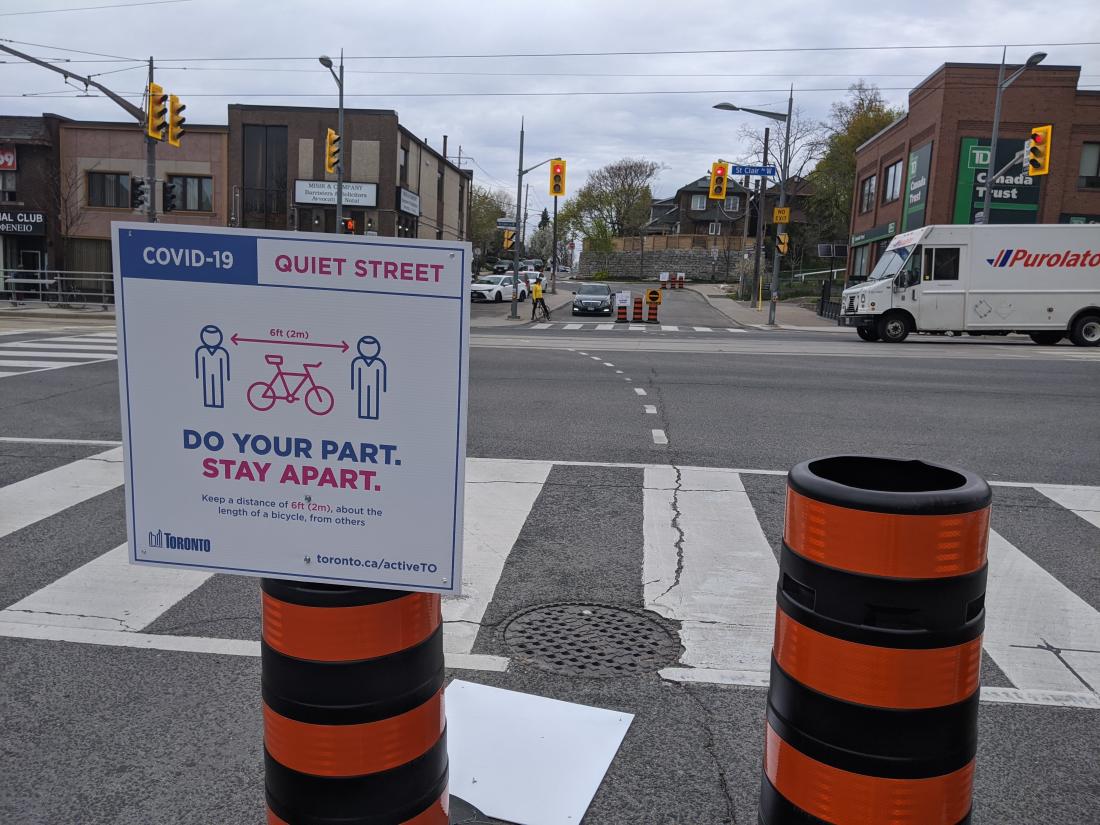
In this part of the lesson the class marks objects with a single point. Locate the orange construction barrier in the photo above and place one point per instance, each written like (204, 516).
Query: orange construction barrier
(873, 700)
(620, 314)
(652, 319)
(354, 728)
(679, 280)
(638, 315)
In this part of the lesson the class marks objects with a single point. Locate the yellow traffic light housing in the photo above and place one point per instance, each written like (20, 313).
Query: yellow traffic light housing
(156, 113)
(557, 178)
(509, 239)
(175, 120)
(719, 173)
(1038, 151)
(782, 243)
(332, 151)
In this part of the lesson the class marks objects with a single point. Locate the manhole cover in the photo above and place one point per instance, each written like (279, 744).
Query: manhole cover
(596, 640)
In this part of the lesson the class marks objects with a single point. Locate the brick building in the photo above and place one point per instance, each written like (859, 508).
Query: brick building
(29, 232)
(929, 166)
(394, 183)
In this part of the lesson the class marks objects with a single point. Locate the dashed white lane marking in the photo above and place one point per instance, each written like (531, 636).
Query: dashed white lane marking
(543, 326)
(665, 328)
(626, 379)
(594, 357)
(635, 328)
(1084, 501)
(580, 353)
(734, 329)
(574, 326)
(639, 390)
(651, 409)
(702, 329)
(608, 364)
(618, 372)
(659, 437)
(605, 327)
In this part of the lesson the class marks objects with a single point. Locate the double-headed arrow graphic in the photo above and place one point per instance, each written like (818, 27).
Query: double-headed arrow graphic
(238, 340)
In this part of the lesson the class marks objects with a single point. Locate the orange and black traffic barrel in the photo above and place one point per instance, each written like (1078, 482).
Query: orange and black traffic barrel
(873, 701)
(637, 316)
(620, 314)
(354, 727)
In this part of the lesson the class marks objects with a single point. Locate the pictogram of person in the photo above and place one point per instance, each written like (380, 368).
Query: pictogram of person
(368, 377)
(212, 366)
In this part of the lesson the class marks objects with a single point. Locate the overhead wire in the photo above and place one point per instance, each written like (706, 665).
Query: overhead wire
(91, 8)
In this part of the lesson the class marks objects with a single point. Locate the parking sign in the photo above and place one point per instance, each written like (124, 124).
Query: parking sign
(294, 405)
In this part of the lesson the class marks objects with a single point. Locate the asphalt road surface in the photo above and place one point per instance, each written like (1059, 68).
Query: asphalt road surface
(586, 446)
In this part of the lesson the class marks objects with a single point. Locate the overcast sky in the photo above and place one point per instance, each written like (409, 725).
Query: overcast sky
(679, 130)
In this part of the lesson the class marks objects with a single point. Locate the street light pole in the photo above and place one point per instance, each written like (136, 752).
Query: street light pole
(339, 78)
(1002, 84)
(515, 240)
(780, 228)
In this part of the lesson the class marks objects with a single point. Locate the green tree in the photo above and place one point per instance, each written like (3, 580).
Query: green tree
(486, 205)
(613, 202)
(854, 120)
(541, 242)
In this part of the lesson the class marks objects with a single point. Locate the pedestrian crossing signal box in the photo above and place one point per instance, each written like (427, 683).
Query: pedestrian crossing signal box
(653, 296)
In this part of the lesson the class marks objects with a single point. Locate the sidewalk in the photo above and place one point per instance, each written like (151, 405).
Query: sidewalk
(553, 302)
(788, 315)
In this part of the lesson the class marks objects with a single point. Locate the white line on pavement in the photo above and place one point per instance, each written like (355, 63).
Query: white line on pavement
(734, 329)
(83, 355)
(638, 390)
(542, 326)
(1037, 627)
(666, 328)
(651, 409)
(702, 329)
(104, 347)
(580, 353)
(1084, 501)
(608, 364)
(618, 372)
(659, 437)
(38, 497)
(574, 326)
(708, 565)
(594, 357)
(90, 443)
(635, 328)
(5, 362)
(605, 327)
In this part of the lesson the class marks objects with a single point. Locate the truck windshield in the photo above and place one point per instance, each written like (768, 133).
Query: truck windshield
(890, 264)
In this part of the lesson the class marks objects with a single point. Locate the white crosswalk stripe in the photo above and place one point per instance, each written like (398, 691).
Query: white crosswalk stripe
(706, 563)
(37, 355)
(574, 326)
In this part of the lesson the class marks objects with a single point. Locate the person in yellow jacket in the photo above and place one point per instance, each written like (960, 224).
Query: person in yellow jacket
(537, 300)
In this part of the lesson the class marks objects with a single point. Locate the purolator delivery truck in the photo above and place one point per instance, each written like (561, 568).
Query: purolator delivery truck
(1042, 280)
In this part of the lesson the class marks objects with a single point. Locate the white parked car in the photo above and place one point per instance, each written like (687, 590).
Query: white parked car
(496, 288)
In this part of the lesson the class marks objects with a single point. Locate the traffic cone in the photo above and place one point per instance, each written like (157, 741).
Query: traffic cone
(872, 707)
(354, 728)
(638, 311)
(620, 314)
(652, 319)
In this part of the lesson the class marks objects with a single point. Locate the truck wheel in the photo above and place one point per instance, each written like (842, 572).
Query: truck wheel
(867, 333)
(893, 329)
(1046, 339)
(1086, 331)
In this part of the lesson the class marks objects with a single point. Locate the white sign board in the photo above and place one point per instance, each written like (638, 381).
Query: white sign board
(409, 202)
(622, 299)
(663, 276)
(324, 192)
(294, 406)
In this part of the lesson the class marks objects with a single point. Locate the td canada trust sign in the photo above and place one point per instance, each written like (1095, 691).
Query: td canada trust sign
(294, 407)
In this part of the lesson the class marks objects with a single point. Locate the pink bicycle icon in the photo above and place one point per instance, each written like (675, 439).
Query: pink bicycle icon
(263, 394)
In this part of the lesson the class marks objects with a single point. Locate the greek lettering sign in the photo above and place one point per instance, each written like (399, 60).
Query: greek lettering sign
(324, 192)
(292, 406)
(22, 222)
(916, 187)
(1015, 196)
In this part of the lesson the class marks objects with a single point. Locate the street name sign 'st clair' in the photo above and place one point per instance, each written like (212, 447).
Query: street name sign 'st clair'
(294, 405)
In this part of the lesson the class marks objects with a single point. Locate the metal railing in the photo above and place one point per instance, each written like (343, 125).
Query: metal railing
(66, 289)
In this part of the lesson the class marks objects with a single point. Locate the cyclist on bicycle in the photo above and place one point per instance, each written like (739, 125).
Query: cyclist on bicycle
(537, 300)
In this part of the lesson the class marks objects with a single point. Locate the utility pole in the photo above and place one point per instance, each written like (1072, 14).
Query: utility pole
(780, 228)
(523, 234)
(151, 164)
(554, 252)
(340, 165)
(745, 226)
(756, 278)
(515, 248)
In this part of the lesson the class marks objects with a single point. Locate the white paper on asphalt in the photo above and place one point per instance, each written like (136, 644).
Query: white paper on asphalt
(528, 759)
(294, 405)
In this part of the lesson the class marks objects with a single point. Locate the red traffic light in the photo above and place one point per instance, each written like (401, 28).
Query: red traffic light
(1036, 138)
(557, 168)
(720, 170)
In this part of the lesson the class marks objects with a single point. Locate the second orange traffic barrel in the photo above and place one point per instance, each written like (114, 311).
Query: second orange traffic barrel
(873, 699)
(354, 728)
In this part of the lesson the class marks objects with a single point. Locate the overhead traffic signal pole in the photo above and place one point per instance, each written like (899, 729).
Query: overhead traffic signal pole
(151, 159)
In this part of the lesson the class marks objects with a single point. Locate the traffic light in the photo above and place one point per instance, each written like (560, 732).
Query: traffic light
(557, 178)
(139, 193)
(509, 239)
(719, 172)
(332, 151)
(782, 243)
(156, 112)
(1038, 151)
(170, 197)
(349, 226)
(175, 120)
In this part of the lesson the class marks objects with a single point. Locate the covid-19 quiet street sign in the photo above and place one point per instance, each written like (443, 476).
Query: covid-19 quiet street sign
(294, 405)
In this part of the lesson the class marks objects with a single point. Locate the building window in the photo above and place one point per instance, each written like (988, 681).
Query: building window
(1090, 166)
(109, 189)
(407, 226)
(714, 228)
(698, 203)
(859, 262)
(195, 194)
(867, 194)
(891, 183)
(733, 203)
(7, 186)
(403, 166)
(265, 177)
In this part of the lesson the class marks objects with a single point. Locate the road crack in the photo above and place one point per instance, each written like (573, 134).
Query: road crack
(679, 545)
(711, 748)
